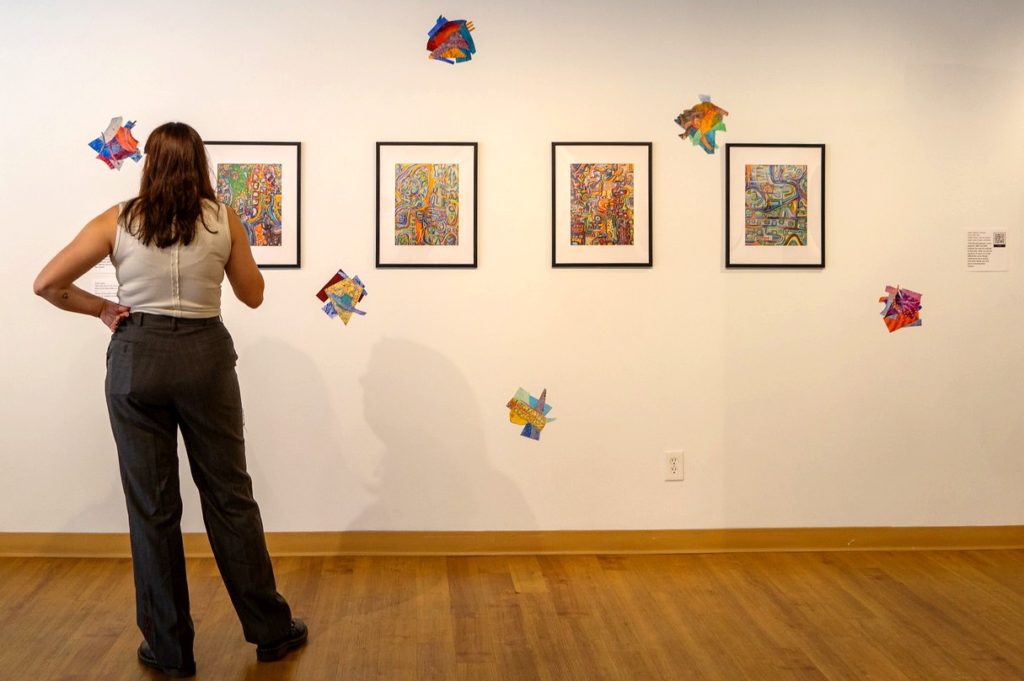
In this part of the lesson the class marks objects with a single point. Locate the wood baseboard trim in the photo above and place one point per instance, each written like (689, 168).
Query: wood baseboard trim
(115, 545)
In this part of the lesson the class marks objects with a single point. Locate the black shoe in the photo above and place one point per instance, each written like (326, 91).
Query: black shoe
(147, 658)
(295, 638)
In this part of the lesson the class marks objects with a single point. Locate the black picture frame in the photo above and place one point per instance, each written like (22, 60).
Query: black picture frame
(288, 253)
(753, 245)
(389, 251)
(565, 156)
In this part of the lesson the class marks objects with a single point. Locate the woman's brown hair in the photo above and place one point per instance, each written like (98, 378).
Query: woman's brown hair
(175, 180)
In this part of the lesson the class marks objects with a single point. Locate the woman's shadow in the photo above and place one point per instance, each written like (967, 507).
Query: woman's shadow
(435, 473)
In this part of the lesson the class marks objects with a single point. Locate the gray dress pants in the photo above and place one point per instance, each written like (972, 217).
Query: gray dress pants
(163, 374)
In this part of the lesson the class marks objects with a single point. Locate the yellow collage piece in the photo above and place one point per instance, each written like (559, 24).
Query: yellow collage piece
(521, 413)
(349, 288)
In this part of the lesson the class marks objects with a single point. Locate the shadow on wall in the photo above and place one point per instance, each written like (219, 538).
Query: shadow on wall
(305, 477)
(435, 473)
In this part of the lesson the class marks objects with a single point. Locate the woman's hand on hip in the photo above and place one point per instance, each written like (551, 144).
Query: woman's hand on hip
(112, 314)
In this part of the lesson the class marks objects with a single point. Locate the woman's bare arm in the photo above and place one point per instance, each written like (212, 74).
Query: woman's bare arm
(245, 277)
(55, 282)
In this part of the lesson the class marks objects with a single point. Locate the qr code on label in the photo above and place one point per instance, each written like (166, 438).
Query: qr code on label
(999, 239)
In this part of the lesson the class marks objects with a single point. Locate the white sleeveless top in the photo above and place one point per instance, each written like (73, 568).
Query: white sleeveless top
(177, 281)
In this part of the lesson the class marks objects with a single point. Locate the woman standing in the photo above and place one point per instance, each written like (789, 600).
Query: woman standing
(171, 365)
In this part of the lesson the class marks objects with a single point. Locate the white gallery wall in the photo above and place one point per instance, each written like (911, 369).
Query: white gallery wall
(793, 404)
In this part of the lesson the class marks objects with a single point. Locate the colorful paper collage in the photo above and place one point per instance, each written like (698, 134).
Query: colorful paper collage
(529, 412)
(116, 144)
(702, 122)
(340, 296)
(902, 308)
(450, 41)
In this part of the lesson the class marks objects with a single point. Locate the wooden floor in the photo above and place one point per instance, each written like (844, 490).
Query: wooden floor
(872, 615)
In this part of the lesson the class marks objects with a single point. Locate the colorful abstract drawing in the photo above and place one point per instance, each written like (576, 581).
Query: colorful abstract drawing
(902, 308)
(601, 204)
(776, 205)
(529, 412)
(426, 204)
(701, 123)
(253, 190)
(116, 144)
(450, 41)
(340, 296)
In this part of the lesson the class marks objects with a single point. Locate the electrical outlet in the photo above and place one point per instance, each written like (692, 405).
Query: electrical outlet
(673, 465)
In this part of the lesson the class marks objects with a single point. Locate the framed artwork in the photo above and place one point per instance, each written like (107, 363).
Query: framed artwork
(260, 181)
(774, 205)
(601, 204)
(426, 204)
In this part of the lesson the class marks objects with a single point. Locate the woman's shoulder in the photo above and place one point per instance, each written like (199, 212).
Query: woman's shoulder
(217, 220)
(215, 209)
(109, 218)
(123, 210)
